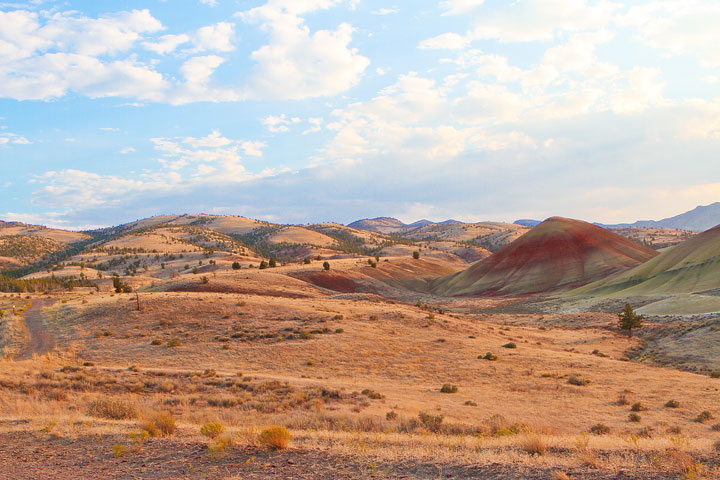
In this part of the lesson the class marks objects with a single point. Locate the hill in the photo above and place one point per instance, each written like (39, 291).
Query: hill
(699, 219)
(559, 253)
(692, 266)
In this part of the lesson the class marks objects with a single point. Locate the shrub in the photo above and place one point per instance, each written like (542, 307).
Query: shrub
(534, 445)
(431, 422)
(448, 388)
(211, 430)
(704, 417)
(277, 438)
(634, 417)
(273, 263)
(672, 404)
(391, 415)
(204, 279)
(577, 380)
(195, 270)
(217, 449)
(488, 356)
(174, 342)
(160, 424)
(307, 261)
(326, 266)
(236, 266)
(600, 429)
(119, 450)
(715, 374)
(716, 427)
(416, 255)
(510, 345)
(112, 409)
(263, 265)
(638, 407)
(157, 341)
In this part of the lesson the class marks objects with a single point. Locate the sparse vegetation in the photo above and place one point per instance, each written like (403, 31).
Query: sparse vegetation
(449, 388)
(276, 438)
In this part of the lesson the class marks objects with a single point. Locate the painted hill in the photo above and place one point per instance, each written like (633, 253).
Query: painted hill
(692, 266)
(560, 253)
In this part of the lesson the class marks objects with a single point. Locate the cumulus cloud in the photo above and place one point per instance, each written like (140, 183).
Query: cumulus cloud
(457, 7)
(297, 63)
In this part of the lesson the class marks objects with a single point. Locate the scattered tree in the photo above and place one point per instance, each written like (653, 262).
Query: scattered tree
(628, 319)
(236, 266)
(326, 265)
(416, 254)
(273, 263)
(263, 265)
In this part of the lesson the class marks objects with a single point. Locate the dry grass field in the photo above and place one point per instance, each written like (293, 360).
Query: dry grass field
(367, 386)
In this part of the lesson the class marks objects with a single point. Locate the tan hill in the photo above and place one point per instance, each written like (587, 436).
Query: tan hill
(692, 266)
(657, 238)
(559, 253)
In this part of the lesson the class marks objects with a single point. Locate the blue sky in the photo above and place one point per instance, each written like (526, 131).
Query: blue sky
(300, 111)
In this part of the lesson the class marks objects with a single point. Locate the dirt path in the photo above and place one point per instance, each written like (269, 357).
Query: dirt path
(41, 340)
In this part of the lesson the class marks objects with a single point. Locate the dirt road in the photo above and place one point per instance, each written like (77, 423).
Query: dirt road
(41, 340)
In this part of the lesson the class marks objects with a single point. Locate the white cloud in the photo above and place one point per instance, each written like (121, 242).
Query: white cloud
(298, 63)
(385, 11)
(457, 7)
(278, 123)
(209, 3)
(13, 139)
(127, 150)
(446, 41)
(166, 43)
(540, 20)
(198, 70)
(216, 38)
(253, 148)
(687, 27)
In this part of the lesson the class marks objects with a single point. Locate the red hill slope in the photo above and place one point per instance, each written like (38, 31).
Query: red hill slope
(560, 253)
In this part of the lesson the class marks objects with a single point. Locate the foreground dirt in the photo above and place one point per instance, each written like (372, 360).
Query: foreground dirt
(28, 456)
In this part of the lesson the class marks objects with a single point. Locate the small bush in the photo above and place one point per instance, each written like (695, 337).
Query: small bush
(634, 417)
(672, 404)
(704, 417)
(391, 415)
(174, 342)
(326, 266)
(236, 266)
(310, 363)
(534, 445)
(157, 341)
(577, 380)
(488, 356)
(716, 427)
(510, 345)
(277, 438)
(715, 374)
(448, 388)
(431, 422)
(119, 450)
(112, 409)
(160, 424)
(212, 430)
(638, 407)
(600, 429)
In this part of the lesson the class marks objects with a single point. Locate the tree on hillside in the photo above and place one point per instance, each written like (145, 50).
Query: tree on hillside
(628, 319)
(416, 254)
(326, 265)
(273, 263)
(236, 266)
(263, 265)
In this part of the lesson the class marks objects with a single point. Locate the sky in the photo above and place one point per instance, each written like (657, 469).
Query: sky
(301, 111)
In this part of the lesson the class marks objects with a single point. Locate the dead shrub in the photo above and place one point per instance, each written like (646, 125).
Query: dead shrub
(160, 424)
(534, 445)
(112, 409)
(276, 438)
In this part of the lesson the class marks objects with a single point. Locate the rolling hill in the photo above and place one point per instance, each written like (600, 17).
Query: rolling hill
(692, 266)
(558, 254)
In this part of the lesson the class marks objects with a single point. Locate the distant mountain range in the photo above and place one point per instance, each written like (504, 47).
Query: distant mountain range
(698, 219)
